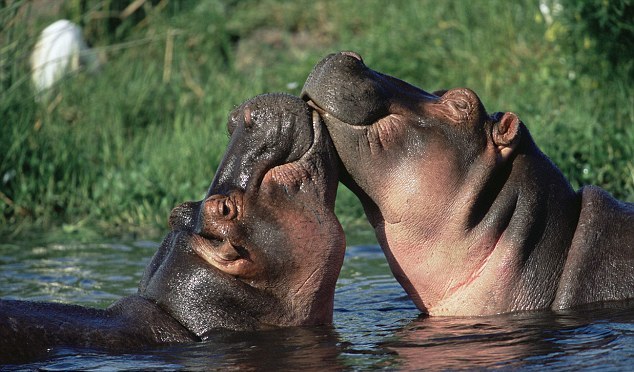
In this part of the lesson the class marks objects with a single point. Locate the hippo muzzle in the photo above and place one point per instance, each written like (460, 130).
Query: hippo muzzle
(345, 88)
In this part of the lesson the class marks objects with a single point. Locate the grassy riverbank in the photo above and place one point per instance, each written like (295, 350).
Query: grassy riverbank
(116, 150)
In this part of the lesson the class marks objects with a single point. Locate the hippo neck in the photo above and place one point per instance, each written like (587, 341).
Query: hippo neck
(535, 213)
(501, 248)
(532, 212)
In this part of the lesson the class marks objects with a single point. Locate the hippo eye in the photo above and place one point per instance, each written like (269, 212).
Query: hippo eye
(462, 105)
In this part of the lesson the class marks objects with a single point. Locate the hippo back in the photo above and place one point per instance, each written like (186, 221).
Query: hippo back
(600, 262)
(30, 329)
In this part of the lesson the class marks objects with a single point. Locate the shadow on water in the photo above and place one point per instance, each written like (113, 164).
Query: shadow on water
(375, 326)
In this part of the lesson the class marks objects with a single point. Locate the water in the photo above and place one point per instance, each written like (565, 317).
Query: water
(375, 325)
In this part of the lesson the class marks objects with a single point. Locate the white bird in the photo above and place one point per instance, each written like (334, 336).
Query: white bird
(60, 50)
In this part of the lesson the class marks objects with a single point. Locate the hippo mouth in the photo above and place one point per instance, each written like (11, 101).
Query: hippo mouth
(180, 245)
(226, 257)
(343, 88)
(329, 117)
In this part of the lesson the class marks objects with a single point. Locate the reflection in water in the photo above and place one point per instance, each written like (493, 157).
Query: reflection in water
(546, 339)
(375, 325)
(281, 349)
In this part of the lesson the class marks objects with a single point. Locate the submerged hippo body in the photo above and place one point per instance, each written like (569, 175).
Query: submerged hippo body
(473, 218)
(264, 249)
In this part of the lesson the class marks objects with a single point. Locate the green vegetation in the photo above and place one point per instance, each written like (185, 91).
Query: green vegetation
(607, 27)
(115, 151)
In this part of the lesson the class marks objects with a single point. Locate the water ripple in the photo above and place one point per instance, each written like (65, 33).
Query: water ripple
(376, 326)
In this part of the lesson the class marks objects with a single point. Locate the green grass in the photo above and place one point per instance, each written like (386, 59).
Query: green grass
(115, 151)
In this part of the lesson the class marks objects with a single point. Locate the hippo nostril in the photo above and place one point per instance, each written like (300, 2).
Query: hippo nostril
(223, 207)
(228, 209)
(220, 207)
(353, 55)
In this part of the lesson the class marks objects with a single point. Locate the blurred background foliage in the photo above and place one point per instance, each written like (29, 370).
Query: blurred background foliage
(113, 151)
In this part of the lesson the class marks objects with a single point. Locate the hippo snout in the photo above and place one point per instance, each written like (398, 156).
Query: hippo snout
(343, 77)
(266, 131)
(343, 87)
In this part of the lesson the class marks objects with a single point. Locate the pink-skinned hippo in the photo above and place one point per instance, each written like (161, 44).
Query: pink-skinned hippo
(473, 218)
(263, 249)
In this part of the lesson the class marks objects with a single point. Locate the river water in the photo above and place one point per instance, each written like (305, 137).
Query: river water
(375, 325)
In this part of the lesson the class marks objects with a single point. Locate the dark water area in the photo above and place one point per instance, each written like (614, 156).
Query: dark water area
(375, 325)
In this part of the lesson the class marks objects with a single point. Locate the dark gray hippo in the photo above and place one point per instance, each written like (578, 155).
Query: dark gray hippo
(474, 219)
(264, 249)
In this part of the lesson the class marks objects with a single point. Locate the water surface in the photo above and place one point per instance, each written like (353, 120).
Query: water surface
(375, 325)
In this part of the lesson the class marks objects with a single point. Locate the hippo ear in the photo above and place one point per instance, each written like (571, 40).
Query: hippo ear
(506, 134)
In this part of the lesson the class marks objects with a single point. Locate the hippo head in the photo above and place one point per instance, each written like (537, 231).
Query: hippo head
(423, 166)
(396, 127)
(264, 247)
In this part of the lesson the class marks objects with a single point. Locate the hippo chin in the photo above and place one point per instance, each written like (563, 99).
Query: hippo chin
(474, 219)
(263, 249)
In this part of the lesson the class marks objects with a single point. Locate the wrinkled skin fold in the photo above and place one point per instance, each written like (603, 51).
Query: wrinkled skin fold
(263, 249)
(473, 218)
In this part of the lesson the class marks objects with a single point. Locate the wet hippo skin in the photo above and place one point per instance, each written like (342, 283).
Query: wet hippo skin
(262, 250)
(473, 218)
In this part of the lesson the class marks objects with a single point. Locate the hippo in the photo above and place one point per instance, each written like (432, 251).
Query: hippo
(473, 218)
(262, 250)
